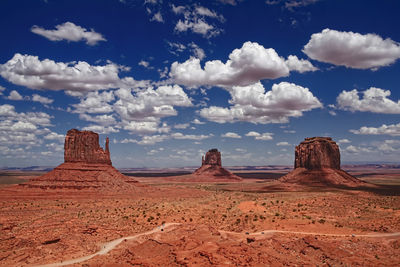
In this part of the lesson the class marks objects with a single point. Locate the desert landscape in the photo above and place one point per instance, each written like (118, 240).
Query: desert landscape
(199, 133)
(86, 213)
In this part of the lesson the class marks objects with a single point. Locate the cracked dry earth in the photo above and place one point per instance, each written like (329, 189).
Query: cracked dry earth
(214, 226)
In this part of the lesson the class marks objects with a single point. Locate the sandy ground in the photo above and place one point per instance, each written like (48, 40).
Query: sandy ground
(205, 224)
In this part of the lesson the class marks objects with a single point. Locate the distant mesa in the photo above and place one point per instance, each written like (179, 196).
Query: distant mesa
(211, 167)
(317, 162)
(213, 157)
(86, 166)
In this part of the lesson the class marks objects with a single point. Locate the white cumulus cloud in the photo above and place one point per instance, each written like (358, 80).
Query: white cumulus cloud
(47, 74)
(373, 100)
(95, 102)
(283, 143)
(253, 104)
(231, 135)
(245, 66)
(353, 50)
(70, 32)
(260, 136)
(392, 129)
(300, 65)
(14, 95)
(41, 99)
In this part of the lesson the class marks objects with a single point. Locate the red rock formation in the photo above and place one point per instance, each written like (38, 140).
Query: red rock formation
(317, 162)
(316, 153)
(211, 167)
(86, 166)
(213, 157)
(83, 146)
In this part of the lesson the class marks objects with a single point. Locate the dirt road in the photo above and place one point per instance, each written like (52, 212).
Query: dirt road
(107, 247)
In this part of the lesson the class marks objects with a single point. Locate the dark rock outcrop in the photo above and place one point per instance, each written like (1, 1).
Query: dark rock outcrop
(317, 162)
(211, 167)
(213, 157)
(86, 166)
(317, 153)
(83, 146)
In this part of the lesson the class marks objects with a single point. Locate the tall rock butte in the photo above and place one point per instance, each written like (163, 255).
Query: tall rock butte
(83, 146)
(86, 166)
(317, 162)
(211, 167)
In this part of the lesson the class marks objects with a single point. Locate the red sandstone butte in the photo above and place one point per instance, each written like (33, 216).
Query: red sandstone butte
(317, 162)
(83, 146)
(86, 166)
(211, 166)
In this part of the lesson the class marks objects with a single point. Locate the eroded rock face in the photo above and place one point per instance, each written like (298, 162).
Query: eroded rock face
(83, 146)
(317, 163)
(316, 153)
(87, 167)
(211, 167)
(213, 157)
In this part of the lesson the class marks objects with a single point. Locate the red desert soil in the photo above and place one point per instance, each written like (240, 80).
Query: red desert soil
(220, 224)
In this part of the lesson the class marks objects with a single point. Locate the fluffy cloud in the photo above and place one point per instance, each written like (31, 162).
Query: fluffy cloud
(231, 135)
(41, 99)
(300, 65)
(259, 136)
(181, 126)
(353, 50)
(137, 111)
(374, 100)
(101, 129)
(253, 104)
(150, 104)
(392, 129)
(245, 66)
(195, 20)
(153, 139)
(282, 144)
(70, 32)
(357, 149)
(147, 140)
(95, 102)
(145, 127)
(190, 136)
(47, 74)
(55, 136)
(197, 121)
(20, 128)
(14, 95)
(104, 120)
(383, 149)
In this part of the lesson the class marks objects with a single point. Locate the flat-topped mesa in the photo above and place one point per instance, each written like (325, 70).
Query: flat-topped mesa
(317, 163)
(86, 167)
(83, 146)
(317, 153)
(213, 157)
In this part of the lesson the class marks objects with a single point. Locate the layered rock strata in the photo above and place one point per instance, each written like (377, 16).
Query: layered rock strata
(83, 146)
(211, 167)
(86, 166)
(317, 162)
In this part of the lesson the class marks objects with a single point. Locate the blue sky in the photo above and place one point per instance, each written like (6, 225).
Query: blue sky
(168, 80)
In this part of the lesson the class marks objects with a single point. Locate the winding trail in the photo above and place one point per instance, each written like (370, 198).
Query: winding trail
(107, 247)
